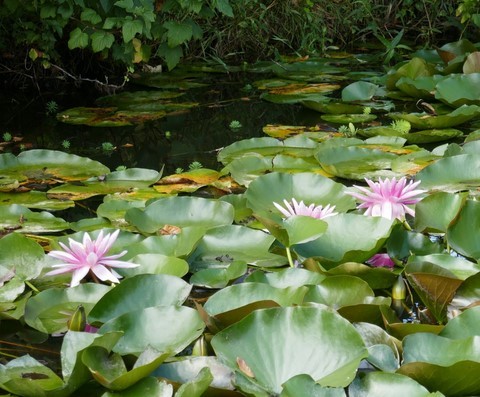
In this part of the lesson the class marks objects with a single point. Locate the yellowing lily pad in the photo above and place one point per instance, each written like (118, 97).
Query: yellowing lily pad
(106, 117)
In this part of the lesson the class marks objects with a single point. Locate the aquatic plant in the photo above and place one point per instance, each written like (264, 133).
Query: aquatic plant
(66, 144)
(388, 198)
(108, 147)
(195, 165)
(299, 208)
(51, 107)
(381, 260)
(89, 256)
(402, 126)
(235, 125)
(7, 137)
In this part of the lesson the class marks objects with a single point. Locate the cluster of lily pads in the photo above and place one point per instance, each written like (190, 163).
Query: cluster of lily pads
(246, 281)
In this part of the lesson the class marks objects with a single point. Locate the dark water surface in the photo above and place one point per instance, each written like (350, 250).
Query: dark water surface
(174, 141)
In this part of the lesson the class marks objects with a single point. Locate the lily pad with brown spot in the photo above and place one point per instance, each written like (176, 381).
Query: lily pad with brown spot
(187, 181)
(284, 131)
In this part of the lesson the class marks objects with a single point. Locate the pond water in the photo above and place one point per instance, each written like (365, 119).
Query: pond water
(171, 142)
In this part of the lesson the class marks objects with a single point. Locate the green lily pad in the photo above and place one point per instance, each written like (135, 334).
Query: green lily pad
(165, 328)
(459, 89)
(435, 135)
(186, 369)
(452, 174)
(290, 277)
(421, 87)
(426, 121)
(50, 310)
(276, 187)
(180, 212)
(156, 264)
(435, 212)
(21, 256)
(461, 233)
(219, 277)
(47, 167)
(111, 372)
(360, 91)
(348, 118)
(464, 325)
(334, 347)
(295, 93)
(18, 218)
(35, 200)
(232, 303)
(414, 69)
(447, 365)
(221, 246)
(384, 384)
(304, 385)
(345, 240)
(137, 97)
(137, 293)
(107, 117)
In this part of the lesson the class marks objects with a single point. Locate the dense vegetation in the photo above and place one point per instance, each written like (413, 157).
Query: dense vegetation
(108, 37)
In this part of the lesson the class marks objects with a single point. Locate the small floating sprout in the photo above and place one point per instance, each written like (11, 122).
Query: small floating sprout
(7, 137)
(402, 126)
(235, 125)
(195, 165)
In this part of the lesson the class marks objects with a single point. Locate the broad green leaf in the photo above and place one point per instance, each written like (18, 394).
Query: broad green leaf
(186, 369)
(165, 328)
(437, 210)
(35, 200)
(219, 277)
(50, 310)
(304, 385)
(435, 282)
(78, 39)
(74, 343)
(427, 121)
(452, 173)
(449, 366)
(111, 372)
(42, 381)
(101, 40)
(233, 303)
(276, 187)
(462, 231)
(22, 256)
(302, 229)
(181, 212)
(459, 89)
(348, 118)
(222, 245)
(196, 387)
(383, 349)
(290, 277)
(333, 346)
(464, 325)
(137, 293)
(130, 29)
(467, 295)
(177, 32)
(20, 219)
(345, 239)
(359, 91)
(383, 384)
(157, 264)
(48, 166)
(148, 386)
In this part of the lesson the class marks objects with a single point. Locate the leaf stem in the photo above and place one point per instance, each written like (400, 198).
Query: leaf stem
(289, 256)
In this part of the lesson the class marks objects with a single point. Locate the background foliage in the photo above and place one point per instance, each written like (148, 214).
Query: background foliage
(78, 34)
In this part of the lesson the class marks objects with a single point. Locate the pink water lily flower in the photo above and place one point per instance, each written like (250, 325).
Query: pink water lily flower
(299, 208)
(389, 198)
(89, 256)
(381, 260)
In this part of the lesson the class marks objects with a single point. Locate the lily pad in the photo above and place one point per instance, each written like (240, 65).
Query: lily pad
(459, 89)
(180, 212)
(426, 121)
(334, 347)
(17, 218)
(348, 118)
(107, 117)
(165, 328)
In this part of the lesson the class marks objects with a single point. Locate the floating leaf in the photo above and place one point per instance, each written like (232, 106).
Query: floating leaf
(459, 89)
(334, 347)
(181, 212)
(165, 328)
(139, 292)
(50, 310)
(17, 218)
